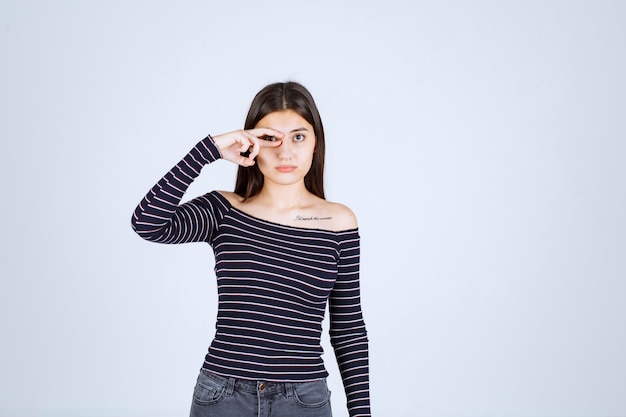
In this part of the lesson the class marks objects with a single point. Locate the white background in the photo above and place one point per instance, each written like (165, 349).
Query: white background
(482, 145)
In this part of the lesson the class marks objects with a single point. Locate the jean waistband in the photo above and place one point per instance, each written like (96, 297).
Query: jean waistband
(252, 386)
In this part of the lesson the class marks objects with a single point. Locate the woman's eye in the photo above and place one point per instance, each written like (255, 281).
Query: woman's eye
(269, 138)
(298, 138)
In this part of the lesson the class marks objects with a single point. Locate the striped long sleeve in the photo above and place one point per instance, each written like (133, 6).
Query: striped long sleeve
(160, 218)
(348, 335)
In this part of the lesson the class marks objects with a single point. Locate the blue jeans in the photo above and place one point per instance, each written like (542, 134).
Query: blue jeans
(218, 396)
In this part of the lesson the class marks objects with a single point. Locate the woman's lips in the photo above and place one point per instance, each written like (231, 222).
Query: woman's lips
(285, 168)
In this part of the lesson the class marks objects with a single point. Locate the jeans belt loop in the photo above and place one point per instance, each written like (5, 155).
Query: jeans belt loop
(230, 387)
(289, 389)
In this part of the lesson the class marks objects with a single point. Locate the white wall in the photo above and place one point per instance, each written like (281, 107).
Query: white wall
(482, 145)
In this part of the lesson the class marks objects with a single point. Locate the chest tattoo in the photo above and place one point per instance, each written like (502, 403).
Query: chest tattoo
(303, 218)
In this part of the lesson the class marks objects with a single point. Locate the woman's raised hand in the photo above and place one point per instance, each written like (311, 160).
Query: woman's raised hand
(242, 146)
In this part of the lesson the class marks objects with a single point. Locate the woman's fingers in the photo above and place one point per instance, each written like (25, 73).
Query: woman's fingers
(244, 160)
(260, 138)
(243, 146)
(266, 133)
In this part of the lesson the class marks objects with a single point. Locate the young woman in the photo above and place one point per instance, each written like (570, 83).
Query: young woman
(282, 253)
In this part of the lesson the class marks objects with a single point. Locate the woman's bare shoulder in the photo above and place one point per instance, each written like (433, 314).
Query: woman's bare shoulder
(343, 217)
(233, 199)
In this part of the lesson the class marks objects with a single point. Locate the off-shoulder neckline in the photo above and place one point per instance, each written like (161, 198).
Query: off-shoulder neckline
(230, 207)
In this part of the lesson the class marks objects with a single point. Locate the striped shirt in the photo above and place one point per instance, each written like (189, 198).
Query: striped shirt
(273, 283)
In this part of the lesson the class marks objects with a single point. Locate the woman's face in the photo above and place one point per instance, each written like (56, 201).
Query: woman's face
(289, 162)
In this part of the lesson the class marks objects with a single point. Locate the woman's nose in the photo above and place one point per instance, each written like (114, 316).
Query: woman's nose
(285, 151)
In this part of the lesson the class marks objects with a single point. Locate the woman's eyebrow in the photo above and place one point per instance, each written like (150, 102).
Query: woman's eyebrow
(300, 129)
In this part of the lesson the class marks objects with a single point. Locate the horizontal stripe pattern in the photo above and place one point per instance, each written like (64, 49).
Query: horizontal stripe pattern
(274, 284)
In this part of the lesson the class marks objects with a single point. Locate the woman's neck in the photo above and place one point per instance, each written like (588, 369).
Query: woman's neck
(284, 197)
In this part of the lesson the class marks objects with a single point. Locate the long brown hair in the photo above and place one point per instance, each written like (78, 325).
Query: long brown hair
(277, 97)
